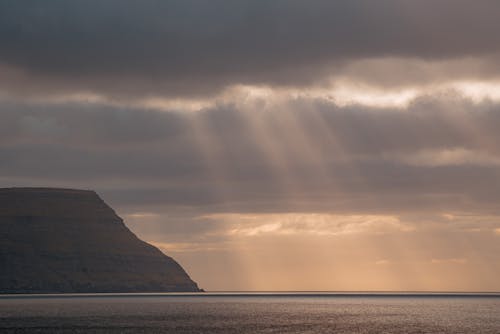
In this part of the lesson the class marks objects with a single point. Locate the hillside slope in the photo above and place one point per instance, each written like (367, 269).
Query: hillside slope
(65, 240)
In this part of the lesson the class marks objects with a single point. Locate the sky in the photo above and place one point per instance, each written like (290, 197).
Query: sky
(270, 145)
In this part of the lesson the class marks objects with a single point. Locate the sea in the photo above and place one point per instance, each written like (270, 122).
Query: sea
(252, 313)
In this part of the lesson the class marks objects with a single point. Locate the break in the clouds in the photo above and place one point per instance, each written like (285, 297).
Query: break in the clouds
(350, 139)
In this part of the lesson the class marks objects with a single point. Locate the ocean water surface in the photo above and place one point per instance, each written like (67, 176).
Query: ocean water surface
(251, 313)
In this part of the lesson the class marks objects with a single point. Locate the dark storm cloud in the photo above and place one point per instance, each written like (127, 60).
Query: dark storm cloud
(301, 155)
(197, 47)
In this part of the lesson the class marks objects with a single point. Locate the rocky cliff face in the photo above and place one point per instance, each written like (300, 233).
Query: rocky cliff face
(63, 240)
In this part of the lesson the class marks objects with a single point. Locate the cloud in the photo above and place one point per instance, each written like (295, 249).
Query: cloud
(449, 261)
(191, 48)
(449, 157)
(304, 154)
(249, 225)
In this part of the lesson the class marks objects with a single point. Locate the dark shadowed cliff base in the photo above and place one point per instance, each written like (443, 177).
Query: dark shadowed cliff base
(64, 240)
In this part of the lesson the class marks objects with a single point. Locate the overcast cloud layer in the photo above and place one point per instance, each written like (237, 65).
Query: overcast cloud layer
(309, 153)
(262, 136)
(172, 48)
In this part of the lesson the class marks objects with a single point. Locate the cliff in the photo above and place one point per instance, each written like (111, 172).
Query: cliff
(64, 240)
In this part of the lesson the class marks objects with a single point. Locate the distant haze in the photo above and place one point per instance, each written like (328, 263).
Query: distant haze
(270, 145)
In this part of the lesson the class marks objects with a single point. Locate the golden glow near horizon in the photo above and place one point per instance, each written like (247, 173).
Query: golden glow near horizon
(305, 251)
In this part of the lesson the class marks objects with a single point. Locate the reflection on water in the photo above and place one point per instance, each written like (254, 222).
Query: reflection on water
(208, 313)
